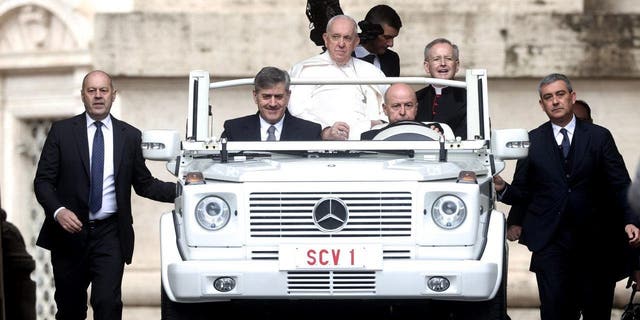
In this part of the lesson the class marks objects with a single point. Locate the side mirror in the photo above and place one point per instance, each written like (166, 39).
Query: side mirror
(160, 144)
(509, 144)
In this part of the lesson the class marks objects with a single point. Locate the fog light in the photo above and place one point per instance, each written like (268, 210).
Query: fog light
(224, 284)
(438, 284)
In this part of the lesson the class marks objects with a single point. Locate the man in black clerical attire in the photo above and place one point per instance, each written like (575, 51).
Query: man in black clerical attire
(442, 103)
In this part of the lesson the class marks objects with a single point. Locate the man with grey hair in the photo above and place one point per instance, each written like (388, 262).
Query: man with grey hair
(442, 103)
(570, 209)
(344, 111)
(272, 122)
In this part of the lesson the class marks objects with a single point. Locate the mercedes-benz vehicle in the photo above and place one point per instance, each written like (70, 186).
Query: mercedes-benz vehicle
(404, 222)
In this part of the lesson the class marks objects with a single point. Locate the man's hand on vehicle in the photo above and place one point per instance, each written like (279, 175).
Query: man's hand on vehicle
(513, 232)
(338, 131)
(499, 183)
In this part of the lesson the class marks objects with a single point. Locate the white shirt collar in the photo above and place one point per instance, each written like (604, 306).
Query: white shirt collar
(264, 126)
(571, 127)
(361, 52)
(106, 122)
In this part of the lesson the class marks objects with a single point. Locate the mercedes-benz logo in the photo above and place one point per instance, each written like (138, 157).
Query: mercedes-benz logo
(330, 214)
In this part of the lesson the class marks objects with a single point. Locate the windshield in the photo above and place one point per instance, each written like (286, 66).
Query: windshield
(202, 91)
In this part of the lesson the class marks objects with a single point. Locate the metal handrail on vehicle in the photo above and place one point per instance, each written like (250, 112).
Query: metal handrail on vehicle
(334, 81)
(199, 112)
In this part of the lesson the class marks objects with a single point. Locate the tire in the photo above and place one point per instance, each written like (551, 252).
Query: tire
(170, 310)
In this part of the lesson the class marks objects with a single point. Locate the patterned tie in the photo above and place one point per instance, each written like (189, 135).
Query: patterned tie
(565, 143)
(97, 169)
(271, 133)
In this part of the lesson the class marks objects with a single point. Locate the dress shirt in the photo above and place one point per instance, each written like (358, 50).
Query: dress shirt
(361, 52)
(109, 205)
(264, 126)
(571, 127)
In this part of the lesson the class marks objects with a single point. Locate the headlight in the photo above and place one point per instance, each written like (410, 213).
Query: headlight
(448, 212)
(212, 213)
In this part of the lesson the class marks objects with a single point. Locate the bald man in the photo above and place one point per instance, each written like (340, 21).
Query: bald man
(400, 104)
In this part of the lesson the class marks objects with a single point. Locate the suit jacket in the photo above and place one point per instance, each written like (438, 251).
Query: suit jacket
(585, 200)
(63, 179)
(634, 192)
(389, 63)
(368, 135)
(452, 108)
(247, 128)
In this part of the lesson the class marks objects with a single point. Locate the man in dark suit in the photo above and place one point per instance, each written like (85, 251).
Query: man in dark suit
(272, 122)
(83, 182)
(17, 265)
(438, 103)
(634, 192)
(379, 28)
(570, 209)
(582, 111)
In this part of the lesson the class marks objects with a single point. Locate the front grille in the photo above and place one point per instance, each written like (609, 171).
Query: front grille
(290, 214)
(331, 282)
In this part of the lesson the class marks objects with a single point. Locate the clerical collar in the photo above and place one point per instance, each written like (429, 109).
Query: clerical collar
(438, 89)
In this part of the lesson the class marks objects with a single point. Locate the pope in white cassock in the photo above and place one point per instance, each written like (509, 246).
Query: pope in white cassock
(344, 111)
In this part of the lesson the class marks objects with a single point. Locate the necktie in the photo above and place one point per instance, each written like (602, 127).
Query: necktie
(369, 58)
(565, 143)
(97, 169)
(271, 133)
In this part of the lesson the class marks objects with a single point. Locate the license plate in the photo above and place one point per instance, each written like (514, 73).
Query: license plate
(314, 257)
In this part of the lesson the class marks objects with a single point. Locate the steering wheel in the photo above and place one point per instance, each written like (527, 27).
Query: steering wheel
(408, 131)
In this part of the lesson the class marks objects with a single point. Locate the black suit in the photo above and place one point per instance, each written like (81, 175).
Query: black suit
(452, 108)
(62, 180)
(369, 135)
(573, 214)
(247, 128)
(17, 266)
(389, 63)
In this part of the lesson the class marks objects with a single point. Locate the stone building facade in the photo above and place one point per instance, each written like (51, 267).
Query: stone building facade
(149, 46)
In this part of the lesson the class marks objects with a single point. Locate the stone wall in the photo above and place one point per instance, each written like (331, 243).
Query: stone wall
(509, 39)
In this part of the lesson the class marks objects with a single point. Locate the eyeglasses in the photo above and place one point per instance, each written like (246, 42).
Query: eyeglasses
(440, 59)
(407, 106)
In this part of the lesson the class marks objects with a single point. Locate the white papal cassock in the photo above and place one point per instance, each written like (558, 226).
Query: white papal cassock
(356, 105)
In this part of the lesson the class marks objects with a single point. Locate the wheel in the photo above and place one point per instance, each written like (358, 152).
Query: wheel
(170, 310)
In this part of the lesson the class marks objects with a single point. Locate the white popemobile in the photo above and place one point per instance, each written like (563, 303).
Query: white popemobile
(408, 216)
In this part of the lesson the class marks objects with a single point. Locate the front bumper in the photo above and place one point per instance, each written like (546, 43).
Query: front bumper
(470, 280)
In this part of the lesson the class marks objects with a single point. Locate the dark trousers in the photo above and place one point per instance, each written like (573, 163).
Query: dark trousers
(569, 285)
(101, 265)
